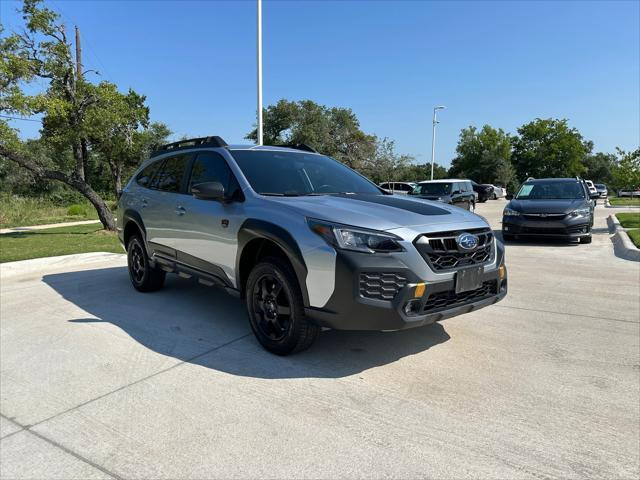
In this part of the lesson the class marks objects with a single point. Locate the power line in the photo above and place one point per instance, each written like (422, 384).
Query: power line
(21, 118)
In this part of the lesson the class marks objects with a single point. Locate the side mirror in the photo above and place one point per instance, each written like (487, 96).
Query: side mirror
(208, 191)
(509, 196)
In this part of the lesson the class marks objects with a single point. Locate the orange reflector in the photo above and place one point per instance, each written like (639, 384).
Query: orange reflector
(419, 290)
(502, 271)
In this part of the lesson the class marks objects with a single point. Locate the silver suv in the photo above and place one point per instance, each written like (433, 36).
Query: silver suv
(304, 240)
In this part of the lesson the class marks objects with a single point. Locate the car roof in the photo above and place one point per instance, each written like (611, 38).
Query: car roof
(552, 180)
(444, 180)
(269, 148)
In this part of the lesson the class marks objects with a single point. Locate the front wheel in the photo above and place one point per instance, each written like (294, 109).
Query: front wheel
(275, 308)
(144, 277)
(507, 237)
(588, 239)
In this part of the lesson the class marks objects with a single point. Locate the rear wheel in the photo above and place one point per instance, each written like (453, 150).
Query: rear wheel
(507, 237)
(144, 277)
(275, 308)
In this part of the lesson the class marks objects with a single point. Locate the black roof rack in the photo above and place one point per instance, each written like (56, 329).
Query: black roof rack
(299, 146)
(213, 141)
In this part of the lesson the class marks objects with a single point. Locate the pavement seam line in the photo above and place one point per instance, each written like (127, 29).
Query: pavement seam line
(140, 380)
(24, 428)
(569, 314)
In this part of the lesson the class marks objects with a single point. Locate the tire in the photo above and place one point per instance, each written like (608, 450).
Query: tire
(494, 196)
(143, 276)
(507, 237)
(472, 207)
(588, 239)
(276, 310)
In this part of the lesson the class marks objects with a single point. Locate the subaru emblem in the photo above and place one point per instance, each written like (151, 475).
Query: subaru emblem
(467, 241)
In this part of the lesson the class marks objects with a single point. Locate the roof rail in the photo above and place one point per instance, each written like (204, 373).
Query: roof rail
(213, 141)
(299, 146)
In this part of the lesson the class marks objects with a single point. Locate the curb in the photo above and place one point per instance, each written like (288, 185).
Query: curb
(607, 204)
(622, 244)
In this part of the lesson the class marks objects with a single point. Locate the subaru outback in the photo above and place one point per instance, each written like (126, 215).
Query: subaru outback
(305, 241)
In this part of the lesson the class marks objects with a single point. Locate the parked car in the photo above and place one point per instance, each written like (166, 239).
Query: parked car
(498, 192)
(403, 188)
(629, 192)
(454, 192)
(550, 207)
(484, 191)
(602, 190)
(305, 241)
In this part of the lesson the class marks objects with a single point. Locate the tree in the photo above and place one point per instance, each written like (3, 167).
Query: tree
(418, 173)
(626, 173)
(332, 131)
(74, 111)
(386, 164)
(599, 166)
(484, 156)
(549, 148)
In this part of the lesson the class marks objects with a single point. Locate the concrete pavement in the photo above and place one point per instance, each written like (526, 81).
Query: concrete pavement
(100, 381)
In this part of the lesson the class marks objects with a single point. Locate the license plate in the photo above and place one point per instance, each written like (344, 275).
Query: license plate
(469, 279)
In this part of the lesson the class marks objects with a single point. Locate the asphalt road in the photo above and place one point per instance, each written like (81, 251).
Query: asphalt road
(99, 381)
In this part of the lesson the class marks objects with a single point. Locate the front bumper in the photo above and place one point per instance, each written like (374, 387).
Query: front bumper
(349, 309)
(567, 227)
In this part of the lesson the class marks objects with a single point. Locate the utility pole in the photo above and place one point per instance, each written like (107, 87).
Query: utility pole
(433, 137)
(78, 54)
(259, 2)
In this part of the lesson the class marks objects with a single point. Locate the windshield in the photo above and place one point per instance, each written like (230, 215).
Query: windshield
(441, 188)
(551, 191)
(292, 173)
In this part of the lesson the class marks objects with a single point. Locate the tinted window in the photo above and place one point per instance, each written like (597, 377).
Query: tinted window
(384, 185)
(467, 187)
(551, 191)
(145, 177)
(210, 167)
(293, 173)
(442, 188)
(169, 179)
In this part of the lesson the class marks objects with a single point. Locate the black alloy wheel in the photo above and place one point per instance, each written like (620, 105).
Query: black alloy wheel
(272, 307)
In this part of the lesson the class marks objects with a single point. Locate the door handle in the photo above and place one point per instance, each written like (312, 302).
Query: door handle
(180, 210)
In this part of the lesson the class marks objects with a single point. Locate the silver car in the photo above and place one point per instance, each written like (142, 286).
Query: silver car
(305, 241)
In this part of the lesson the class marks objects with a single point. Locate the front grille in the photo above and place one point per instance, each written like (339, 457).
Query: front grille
(449, 299)
(381, 285)
(441, 251)
(544, 216)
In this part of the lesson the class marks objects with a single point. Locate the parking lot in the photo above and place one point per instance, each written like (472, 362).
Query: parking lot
(99, 381)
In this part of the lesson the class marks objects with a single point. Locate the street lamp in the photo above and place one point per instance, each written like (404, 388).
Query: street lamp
(433, 138)
(259, 41)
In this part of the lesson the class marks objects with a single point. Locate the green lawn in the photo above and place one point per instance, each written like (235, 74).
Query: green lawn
(57, 241)
(634, 235)
(16, 211)
(629, 220)
(624, 201)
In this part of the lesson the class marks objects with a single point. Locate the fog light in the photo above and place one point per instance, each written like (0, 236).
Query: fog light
(420, 288)
(502, 271)
(412, 307)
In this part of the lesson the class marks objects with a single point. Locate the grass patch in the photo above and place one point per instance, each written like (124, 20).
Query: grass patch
(629, 220)
(625, 201)
(16, 211)
(634, 235)
(51, 242)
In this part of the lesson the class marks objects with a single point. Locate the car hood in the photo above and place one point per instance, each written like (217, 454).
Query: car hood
(546, 206)
(378, 212)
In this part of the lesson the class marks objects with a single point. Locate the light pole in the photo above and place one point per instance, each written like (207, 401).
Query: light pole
(433, 137)
(259, 39)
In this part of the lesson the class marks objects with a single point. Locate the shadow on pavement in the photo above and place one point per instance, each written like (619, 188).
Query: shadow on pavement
(191, 322)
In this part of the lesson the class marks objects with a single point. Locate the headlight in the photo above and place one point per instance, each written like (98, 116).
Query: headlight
(508, 212)
(356, 239)
(581, 212)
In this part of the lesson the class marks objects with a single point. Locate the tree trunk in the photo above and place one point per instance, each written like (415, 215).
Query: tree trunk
(84, 148)
(104, 214)
(116, 175)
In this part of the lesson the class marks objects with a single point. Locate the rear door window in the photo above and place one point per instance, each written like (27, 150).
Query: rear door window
(170, 177)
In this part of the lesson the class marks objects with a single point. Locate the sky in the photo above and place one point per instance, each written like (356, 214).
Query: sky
(498, 63)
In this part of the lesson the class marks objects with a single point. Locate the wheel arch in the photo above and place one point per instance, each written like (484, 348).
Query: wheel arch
(258, 239)
(132, 223)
